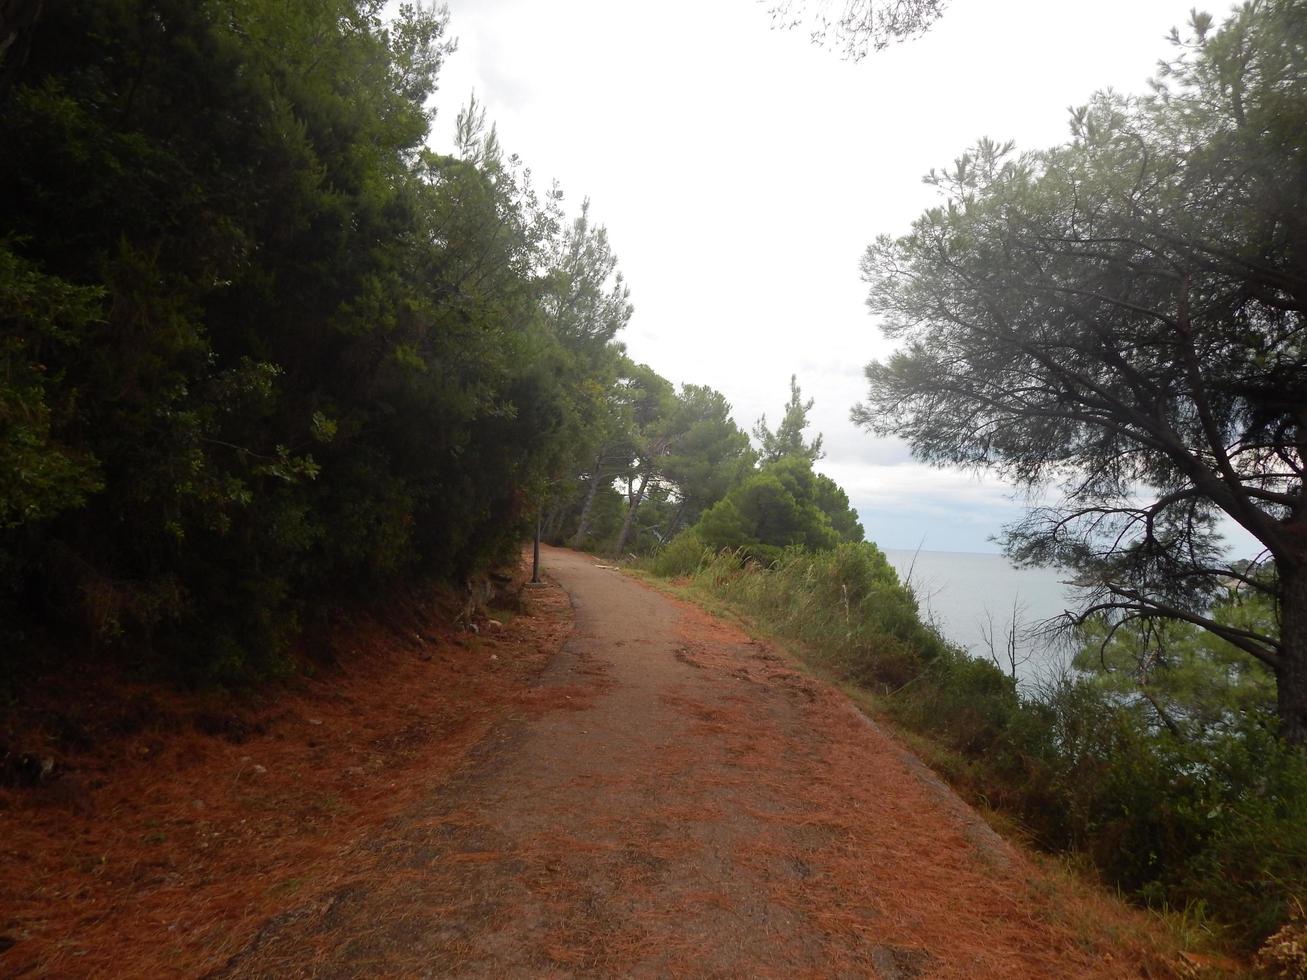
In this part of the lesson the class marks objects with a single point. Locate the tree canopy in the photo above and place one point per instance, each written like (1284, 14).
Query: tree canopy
(858, 27)
(787, 440)
(709, 453)
(783, 505)
(1119, 322)
(262, 350)
(1196, 685)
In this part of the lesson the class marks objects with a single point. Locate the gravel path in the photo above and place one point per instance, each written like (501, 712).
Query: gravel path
(683, 801)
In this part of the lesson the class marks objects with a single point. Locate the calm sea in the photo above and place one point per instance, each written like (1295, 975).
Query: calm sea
(961, 592)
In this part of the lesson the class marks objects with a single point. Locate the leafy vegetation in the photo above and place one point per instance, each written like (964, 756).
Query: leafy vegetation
(857, 27)
(686, 462)
(785, 504)
(264, 351)
(1118, 322)
(787, 440)
(845, 600)
(677, 452)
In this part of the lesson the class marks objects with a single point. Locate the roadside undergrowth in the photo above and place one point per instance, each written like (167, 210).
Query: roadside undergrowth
(847, 619)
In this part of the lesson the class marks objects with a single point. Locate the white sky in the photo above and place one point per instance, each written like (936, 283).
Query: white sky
(741, 172)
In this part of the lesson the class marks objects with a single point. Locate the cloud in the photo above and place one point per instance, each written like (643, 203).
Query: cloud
(741, 173)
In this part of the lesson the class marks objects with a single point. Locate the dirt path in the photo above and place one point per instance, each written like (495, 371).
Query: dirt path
(688, 804)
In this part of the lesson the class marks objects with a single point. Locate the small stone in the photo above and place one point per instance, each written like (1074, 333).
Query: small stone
(315, 721)
(260, 769)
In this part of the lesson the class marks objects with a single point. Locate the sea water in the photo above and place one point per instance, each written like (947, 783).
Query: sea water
(967, 595)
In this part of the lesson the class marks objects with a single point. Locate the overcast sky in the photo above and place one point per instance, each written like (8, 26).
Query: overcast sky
(741, 172)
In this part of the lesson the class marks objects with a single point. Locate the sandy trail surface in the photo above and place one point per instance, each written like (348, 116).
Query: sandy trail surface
(684, 802)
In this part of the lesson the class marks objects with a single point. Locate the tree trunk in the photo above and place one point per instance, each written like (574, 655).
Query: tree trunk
(583, 526)
(670, 527)
(1291, 675)
(630, 515)
(554, 519)
(17, 25)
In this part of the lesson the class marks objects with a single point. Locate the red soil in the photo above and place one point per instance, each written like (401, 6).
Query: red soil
(163, 852)
(662, 796)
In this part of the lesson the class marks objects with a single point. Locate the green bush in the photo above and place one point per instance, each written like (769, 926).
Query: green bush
(684, 555)
(964, 703)
(264, 352)
(846, 602)
(783, 505)
(1220, 824)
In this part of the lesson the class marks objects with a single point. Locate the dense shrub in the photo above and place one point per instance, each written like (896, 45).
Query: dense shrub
(263, 351)
(1218, 825)
(783, 505)
(685, 554)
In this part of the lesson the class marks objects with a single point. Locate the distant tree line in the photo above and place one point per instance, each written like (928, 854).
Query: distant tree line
(672, 470)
